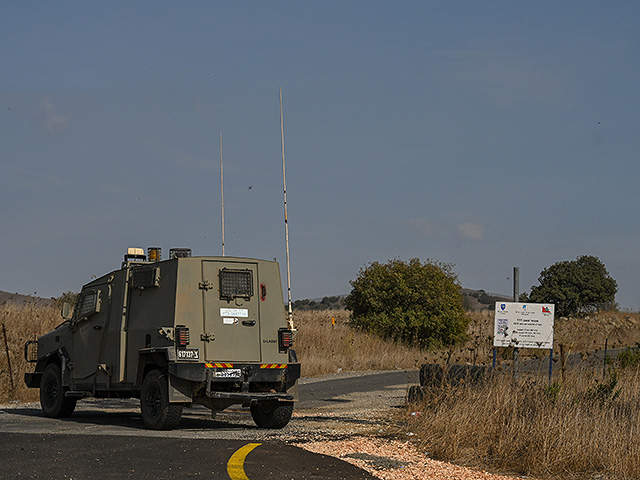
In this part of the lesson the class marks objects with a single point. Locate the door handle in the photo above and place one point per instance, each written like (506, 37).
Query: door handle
(248, 323)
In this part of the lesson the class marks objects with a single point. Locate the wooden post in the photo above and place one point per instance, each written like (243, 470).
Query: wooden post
(562, 363)
(6, 347)
(604, 361)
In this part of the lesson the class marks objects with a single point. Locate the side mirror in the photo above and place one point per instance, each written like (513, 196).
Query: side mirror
(66, 311)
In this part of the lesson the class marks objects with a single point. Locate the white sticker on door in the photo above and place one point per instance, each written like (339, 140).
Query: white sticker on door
(234, 312)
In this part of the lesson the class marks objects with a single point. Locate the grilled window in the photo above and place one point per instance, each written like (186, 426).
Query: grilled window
(236, 283)
(88, 304)
(145, 277)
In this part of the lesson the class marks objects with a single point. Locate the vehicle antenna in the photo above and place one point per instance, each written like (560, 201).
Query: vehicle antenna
(222, 193)
(286, 222)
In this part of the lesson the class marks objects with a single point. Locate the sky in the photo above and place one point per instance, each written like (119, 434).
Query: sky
(487, 135)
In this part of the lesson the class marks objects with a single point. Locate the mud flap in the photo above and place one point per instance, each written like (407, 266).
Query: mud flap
(179, 390)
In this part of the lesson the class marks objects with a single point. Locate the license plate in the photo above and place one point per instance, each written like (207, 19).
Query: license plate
(189, 354)
(228, 373)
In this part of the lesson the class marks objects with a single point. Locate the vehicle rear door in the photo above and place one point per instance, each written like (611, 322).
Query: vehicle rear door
(231, 320)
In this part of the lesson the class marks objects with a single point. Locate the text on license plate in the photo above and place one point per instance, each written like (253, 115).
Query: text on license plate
(228, 373)
(189, 354)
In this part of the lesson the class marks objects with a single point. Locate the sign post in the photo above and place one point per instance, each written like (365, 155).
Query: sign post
(524, 325)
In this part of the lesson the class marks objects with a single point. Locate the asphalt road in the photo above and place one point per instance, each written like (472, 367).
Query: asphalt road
(113, 457)
(104, 439)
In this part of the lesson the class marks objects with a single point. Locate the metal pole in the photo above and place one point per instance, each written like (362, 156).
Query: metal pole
(286, 221)
(222, 193)
(550, 364)
(516, 297)
(6, 347)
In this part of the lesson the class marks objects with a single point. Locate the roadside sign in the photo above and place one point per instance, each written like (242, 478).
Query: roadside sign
(523, 325)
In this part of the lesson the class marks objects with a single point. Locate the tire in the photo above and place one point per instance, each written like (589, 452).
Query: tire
(272, 414)
(157, 412)
(52, 394)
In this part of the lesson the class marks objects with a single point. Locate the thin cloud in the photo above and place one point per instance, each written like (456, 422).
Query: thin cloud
(472, 231)
(421, 225)
(503, 77)
(52, 121)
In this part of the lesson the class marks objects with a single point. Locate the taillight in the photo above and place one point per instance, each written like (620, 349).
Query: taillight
(182, 336)
(285, 339)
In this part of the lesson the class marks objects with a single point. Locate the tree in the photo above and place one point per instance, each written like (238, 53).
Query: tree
(411, 302)
(575, 287)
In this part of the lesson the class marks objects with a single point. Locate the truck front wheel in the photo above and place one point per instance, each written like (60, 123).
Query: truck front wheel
(157, 412)
(52, 394)
(272, 414)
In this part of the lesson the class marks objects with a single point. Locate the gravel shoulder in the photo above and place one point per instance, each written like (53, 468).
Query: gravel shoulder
(355, 427)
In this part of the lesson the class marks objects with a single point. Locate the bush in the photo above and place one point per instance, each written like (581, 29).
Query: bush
(629, 358)
(575, 287)
(411, 302)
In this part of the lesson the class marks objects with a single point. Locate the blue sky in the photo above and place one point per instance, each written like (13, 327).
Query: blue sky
(483, 134)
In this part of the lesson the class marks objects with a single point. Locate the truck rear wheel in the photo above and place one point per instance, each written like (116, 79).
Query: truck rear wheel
(52, 394)
(157, 412)
(272, 414)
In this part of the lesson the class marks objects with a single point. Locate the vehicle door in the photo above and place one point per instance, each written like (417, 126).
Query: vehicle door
(88, 324)
(231, 320)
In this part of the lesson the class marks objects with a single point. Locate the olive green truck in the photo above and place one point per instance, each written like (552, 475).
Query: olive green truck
(188, 330)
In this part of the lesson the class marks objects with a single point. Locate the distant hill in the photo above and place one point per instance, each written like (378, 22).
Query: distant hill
(326, 303)
(476, 300)
(18, 299)
(472, 301)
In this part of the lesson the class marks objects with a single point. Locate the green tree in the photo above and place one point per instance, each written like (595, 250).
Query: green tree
(411, 302)
(575, 287)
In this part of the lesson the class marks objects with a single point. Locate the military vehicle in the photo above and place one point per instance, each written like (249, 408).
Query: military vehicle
(187, 330)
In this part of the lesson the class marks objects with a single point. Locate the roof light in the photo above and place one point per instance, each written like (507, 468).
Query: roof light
(179, 252)
(155, 254)
(136, 254)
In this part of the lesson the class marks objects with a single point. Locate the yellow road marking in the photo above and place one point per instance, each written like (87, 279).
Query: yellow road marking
(235, 467)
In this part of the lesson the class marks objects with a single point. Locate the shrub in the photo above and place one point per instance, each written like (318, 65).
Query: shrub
(629, 358)
(412, 302)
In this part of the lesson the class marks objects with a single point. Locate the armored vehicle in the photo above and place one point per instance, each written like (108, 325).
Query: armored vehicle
(187, 330)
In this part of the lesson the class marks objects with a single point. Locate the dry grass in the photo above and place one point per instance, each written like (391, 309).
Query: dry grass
(323, 348)
(586, 427)
(21, 323)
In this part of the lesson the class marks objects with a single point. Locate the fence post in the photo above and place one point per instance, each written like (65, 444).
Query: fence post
(604, 362)
(6, 348)
(563, 365)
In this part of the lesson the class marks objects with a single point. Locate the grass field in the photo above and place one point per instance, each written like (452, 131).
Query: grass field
(21, 323)
(584, 425)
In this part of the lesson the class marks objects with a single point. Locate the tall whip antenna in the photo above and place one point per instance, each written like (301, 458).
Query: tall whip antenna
(222, 193)
(286, 222)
